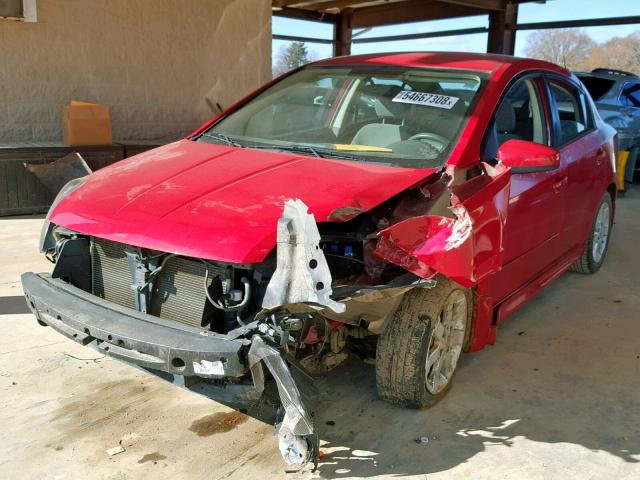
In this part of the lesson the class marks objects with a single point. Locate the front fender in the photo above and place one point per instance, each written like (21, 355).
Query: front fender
(466, 248)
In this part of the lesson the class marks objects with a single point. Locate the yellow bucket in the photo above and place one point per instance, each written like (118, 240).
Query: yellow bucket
(621, 166)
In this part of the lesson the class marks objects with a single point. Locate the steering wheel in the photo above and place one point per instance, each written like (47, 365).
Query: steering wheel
(433, 139)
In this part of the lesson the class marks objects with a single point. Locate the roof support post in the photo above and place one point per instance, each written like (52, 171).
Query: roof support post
(502, 30)
(342, 32)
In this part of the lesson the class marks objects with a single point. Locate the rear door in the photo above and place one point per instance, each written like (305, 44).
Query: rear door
(582, 150)
(532, 239)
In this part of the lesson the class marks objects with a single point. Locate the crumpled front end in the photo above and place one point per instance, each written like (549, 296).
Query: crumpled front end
(329, 287)
(465, 248)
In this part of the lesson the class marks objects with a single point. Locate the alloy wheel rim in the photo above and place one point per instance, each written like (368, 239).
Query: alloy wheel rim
(446, 342)
(601, 232)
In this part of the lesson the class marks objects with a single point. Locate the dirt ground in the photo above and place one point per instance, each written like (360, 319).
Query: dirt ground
(557, 397)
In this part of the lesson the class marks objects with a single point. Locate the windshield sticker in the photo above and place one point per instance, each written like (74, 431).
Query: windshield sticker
(427, 99)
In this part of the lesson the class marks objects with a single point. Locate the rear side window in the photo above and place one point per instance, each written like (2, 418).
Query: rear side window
(631, 95)
(572, 111)
(597, 87)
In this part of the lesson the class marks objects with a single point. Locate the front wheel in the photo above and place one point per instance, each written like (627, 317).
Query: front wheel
(418, 352)
(598, 241)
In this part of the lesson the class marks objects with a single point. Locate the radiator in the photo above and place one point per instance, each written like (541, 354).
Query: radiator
(178, 291)
(110, 274)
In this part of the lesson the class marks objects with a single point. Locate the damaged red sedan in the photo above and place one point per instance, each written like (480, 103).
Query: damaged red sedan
(397, 206)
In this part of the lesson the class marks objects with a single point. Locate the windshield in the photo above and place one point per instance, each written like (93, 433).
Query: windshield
(398, 116)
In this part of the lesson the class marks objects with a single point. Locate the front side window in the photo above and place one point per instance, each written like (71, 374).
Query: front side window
(519, 116)
(404, 117)
(571, 108)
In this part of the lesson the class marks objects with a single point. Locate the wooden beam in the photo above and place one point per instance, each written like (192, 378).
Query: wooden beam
(287, 3)
(482, 4)
(340, 4)
(305, 15)
(591, 22)
(420, 36)
(322, 5)
(343, 33)
(295, 38)
(410, 11)
(511, 22)
(502, 30)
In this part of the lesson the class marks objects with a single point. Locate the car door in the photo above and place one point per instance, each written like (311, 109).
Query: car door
(582, 150)
(532, 235)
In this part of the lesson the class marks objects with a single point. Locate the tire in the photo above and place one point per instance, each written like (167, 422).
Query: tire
(592, 257)
(412, 334)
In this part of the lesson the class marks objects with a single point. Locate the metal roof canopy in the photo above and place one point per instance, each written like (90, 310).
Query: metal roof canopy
(347, 15)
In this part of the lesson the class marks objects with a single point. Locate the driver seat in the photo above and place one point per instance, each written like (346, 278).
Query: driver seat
(377, 135)
(380, 134)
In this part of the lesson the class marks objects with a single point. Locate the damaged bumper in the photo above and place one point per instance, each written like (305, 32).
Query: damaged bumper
(178, 350)
(137, 338)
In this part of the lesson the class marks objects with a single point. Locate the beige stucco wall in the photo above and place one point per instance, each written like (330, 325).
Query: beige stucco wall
(161, 65)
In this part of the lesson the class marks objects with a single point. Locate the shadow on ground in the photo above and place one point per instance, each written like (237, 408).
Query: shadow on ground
(551, 378)
(564, 373)
(13, 305)
(564, 370)
(547, 380)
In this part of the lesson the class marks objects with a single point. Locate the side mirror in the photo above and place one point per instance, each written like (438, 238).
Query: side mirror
(526, 157)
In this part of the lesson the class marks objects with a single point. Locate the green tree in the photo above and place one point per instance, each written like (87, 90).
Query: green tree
(291, 56)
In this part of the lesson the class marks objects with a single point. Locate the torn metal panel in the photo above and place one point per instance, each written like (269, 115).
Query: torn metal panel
(486, 200)
(374, 305)
(370, 304)
(57, 174)
(302, 274)
(466, 248)
(297, 437)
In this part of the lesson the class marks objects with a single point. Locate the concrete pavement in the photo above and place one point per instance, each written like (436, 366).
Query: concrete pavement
(557, 397)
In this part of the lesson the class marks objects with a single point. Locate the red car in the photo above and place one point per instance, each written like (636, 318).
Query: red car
(399, 206)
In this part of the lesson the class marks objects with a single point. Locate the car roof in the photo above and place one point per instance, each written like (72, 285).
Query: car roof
(482, 62)
(608, 73)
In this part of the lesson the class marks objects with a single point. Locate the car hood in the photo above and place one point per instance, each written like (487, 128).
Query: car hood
(218, 202)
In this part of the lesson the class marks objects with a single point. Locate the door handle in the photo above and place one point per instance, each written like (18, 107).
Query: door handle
(559, 182)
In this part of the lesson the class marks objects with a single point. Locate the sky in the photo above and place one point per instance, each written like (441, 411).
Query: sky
(553, 10)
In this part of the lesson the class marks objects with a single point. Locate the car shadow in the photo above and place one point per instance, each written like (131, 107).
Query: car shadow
(367, 437)
(558, 374)
(554, 376)
(13, 305)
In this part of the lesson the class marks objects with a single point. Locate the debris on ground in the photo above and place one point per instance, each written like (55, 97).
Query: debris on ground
(95, 360)
(115, 450)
